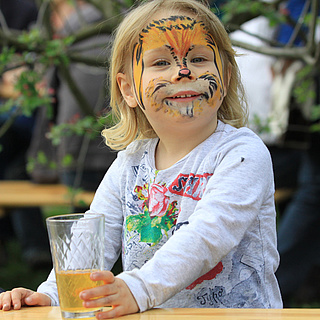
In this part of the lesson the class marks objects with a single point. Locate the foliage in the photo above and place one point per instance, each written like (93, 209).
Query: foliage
(89, 125)
(42, 159)
(34, 52)
(304, 88)
(6, 56)
(38, 49)
(238, 11)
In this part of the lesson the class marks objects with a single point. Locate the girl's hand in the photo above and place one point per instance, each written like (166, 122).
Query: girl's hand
(113, 293)
(19, 297)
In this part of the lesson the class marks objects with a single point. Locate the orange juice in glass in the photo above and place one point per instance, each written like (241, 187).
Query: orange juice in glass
(76, 242)
(70, 284)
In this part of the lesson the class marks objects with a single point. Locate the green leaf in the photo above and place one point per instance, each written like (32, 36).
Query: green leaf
(31, 163)
(32, 38)
(6, 57)
(315, 127)
(67, 160)
(42, 158)
(315, 112)
(52, 165)
(82, 203)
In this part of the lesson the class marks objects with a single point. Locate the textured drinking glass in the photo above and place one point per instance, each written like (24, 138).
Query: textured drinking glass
(77, 243)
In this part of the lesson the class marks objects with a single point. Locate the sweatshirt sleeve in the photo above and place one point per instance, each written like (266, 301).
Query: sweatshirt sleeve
(241, 183)
(106, 201)
(49, 287)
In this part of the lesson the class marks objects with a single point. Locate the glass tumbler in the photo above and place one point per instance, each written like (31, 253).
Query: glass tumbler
(77, 243)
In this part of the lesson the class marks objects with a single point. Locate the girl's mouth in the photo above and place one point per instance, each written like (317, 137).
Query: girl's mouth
(184, 96)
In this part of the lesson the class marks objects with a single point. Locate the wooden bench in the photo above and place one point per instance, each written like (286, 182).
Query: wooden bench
(15, 193)
(283, 195)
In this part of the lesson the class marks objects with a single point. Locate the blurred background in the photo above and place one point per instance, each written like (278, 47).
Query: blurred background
(54, 104)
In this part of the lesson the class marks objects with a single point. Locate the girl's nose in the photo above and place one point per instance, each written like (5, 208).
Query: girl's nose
(183, 73)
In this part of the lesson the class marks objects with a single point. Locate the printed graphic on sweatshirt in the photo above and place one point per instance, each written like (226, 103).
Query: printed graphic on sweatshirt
(241, 285)
(192, 185)
(158, 213)
(208, 276)
(159, 205)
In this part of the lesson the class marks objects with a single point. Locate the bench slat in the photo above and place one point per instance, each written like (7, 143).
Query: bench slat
(28, 194)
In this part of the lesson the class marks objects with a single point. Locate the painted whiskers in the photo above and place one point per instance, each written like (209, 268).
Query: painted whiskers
(163, 93)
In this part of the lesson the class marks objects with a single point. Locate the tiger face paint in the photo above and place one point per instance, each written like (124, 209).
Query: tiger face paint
(177, 67)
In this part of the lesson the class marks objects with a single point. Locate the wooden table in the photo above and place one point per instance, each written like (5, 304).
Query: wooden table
(53, 313)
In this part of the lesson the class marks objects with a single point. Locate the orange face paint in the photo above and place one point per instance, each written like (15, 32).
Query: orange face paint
(180, 34)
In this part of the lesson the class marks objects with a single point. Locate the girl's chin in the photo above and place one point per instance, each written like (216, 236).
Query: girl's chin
(185, 109)
(182, 112)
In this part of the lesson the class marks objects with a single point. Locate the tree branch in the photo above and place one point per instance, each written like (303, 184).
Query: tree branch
(270, 42)
(313, 24)
(82, 101)
(298, 25)
(43, 18)
(94, 62)
(232, 20)
(9, 122)
(3, 23)
(93, 30)
(300, 53)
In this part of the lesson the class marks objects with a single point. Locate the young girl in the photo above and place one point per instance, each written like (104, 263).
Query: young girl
(189, 202)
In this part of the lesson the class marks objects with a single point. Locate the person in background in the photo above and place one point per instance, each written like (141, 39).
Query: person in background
(24, 223)
(90, 157)
(298, 232)
(294, 154)
(258, 74)
(189, 201)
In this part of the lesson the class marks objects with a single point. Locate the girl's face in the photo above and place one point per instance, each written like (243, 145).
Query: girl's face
(177, 71)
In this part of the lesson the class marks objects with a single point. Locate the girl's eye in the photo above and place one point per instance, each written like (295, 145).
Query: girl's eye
(197, 60)
(161, 63)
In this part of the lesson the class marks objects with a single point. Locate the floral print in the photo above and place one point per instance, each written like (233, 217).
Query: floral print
(158, 215)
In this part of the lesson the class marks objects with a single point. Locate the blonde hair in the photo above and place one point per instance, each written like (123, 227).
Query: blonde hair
(131, 123)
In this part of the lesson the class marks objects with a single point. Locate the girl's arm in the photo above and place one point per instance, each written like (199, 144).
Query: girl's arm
(49, 288)
(107, 201)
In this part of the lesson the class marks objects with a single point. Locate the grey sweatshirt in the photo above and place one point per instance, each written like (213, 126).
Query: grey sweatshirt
(201, 233)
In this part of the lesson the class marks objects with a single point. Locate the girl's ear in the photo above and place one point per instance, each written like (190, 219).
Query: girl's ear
(126, 90)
